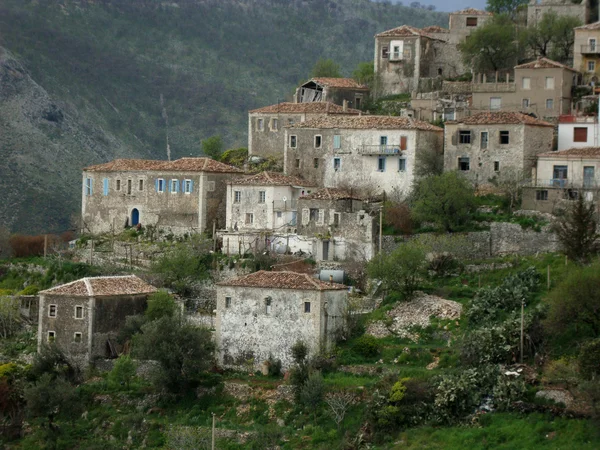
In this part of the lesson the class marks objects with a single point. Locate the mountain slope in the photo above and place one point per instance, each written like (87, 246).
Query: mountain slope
(111, 62)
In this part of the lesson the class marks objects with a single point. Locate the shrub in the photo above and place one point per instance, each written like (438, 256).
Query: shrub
(160, 304)
(397, 216)
(51, 360)
(313, 392)
(123, 372)
(367, 346)
(50, 397)
(274, 366)
(32, 289)
(589, 360)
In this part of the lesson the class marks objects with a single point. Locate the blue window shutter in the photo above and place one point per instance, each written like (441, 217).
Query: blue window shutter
(177, 186)
(337, 141)
(91, 186)
(168, 185)
(156, 184)
(105, 186)
(192, 186)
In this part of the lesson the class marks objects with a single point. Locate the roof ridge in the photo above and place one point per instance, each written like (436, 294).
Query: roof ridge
(312, 280)
(88, 286)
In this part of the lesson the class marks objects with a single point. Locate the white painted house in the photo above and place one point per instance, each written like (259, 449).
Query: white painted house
(578, 132)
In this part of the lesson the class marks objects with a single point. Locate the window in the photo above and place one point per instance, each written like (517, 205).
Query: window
(337, 164)
(580, 134)
(77, 337)
(588, 176)
(541, 195)
(397, 50)
(504, 137)
(403, 142)
(160, 185)
(237, 196)
(274, 124)
(260, 124)
(105, 186)
(313, 214)
(496, 166)
(227, 302)
(357, 101)
(297, 163)
(318, 140)
(464, 137)
(550, 103)
(174, 186)
(525, 103)
(337, 141)
(268, 305)
(402, 165)
(89, 186)
(526, 82)
(279, 215)
(495, 103)
(52, 310)
(385, 52)
(188, 186)
(141, 185)
(118, 186)
(306, 307)
(382, 140)
(210, 187)
(293, 141)
(291, 122)
(249, 218)
(559, 176)
(592, 44)
(129, 186)
(463, 164)
(336, 219)
(591, 66)
(484, 140)
(471, 21)
(262, 196)
(79, 312)
(549, 83)
(381, 164)
(316, 163)
(51, 336)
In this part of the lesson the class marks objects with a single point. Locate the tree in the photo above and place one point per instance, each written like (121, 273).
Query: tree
(235, 156)
(577, 231)
(50, 397)
(160, 304)
(575, 303)
(10, 316)
(123, 371)
(338, 403)
(553, 36)
(539, 35)
(364, 73)
(507, 7)
(510, 183)
(400, 270)
(428, 161)
(447, 200)
(492, 46)
(312, 392)
(213, 147)
(564, 38)
(326, 68)
(182, 350)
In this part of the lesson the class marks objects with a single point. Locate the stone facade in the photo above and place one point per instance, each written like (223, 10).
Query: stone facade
(264, 314)
(340, 91)
(537, 8)
(83, 318)
(178, 197)
(486, 145)
(586, 52)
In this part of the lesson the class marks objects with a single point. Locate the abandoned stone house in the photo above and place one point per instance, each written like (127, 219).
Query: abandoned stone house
(341, 224)
(409, 59)
(586, 52)
(536, 9)
(560, 177)
(265, 125)
(261, 213)
(371, 154)
(340, 91)
(451, 102)
(264, 314)
(490, 144)
(83, 318)
(186, 195)
(542, 87)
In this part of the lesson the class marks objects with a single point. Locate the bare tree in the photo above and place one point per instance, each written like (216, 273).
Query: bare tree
(510, 183)
(339, 402)
(10, 318)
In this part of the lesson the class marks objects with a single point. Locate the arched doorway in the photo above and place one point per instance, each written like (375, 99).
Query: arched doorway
(135, 217)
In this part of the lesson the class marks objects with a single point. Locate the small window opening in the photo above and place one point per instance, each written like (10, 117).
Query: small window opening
(51, 336)
(504, 137)
(318, 141)
(79, 312)
(268, 305)
(306, 307)
(464, 164)
(227, 302)
(77, 337)
(52, 311)
(541, 195)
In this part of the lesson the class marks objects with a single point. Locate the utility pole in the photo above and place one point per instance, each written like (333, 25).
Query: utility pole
(213, 433)
(214, 235)
(522, 322)
(45, 245)
(380, 228)
(91, 252)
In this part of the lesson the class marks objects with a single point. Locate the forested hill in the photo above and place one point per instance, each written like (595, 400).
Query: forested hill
(105, 64)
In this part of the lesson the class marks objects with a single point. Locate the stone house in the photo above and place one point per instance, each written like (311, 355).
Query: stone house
(341, 91)
(462, 23)
(83, 318)
(182, 196)
(488, 144)
(451, 102)
(537, 8)
(542, 87)
(264, 314)
(578, 131)
(259, 208)
(561, 176)
(586, 52)
(341, 223)
(265, 125)
(370, 154)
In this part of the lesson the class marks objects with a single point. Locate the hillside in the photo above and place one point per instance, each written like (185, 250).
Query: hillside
(106, 65)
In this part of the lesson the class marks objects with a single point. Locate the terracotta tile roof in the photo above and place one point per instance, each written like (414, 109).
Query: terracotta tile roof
(367, 122)
(102, 286)
(272, 179)
(472, 12)
(435, 29)
(405, 31)
(179, 165)
(544, 63)
(311, 107)
(331, 194)
(500, 118)
(583, 152)
(340, 83)
(589, 26)
(282, 280)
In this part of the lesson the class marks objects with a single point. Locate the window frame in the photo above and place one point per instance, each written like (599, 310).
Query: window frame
(482, 140)
(78, 334)
(461, 161)
(260, 124)
(523, 84)
(471, 22)
(526, 103)
(89, 186)
(262, 196)
(249, 219)
(118, 185)
(580, 129)
(160, 185)
(55, 310)
(306, 307)
(129, 186)
(141, 184)
(227, 302)
(274, 124)
(297, 163)
(318, 141)
(51, 336)
(293, 141)
(402, 165)
(550, 101)
(462, 137)
(174, 186)
(504, 137)
(237, 197)
(337, 164)
(496, 166)
(549, 83)
(541, 195)
(187, 186)
(77, 308)
(381, 162)
(268, 305)
(337, 141)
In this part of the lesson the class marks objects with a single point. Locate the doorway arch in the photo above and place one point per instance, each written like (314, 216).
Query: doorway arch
(135, 217)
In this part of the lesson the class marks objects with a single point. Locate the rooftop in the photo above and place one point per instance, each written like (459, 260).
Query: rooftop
(271, 179)
(179, 165)
(589, 26)
(331, 194)
(501, 118)
(367, 122)
(406, 31)
(583, 152)
(544, 63)
(282, 280)
(311, 107)
(340, 83)
(102, 287)
(472, 12)
(435, 29)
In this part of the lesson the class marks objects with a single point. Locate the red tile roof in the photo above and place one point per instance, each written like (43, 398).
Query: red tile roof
(311, 107)
(583, 152)
(367, 122)
(472, 12)
(340, 83)
(435, 29)
(272, 179)
(544, 63)
(282, 280)
(180, 165)
(102, 287)
(589, 26)
(500, 118)
(405, 31)
(331, 194)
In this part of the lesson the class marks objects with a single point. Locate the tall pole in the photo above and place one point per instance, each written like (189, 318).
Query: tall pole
(522, 321)
(380, 228)
(214, 235)
(45, 245)
(213, 433)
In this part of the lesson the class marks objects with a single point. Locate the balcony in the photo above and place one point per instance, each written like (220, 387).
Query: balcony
(379, 150)
(494, 87)
(590, 49)
(288, 205)
(563, 183)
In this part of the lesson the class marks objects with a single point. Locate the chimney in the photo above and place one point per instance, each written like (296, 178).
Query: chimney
(345, 106)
